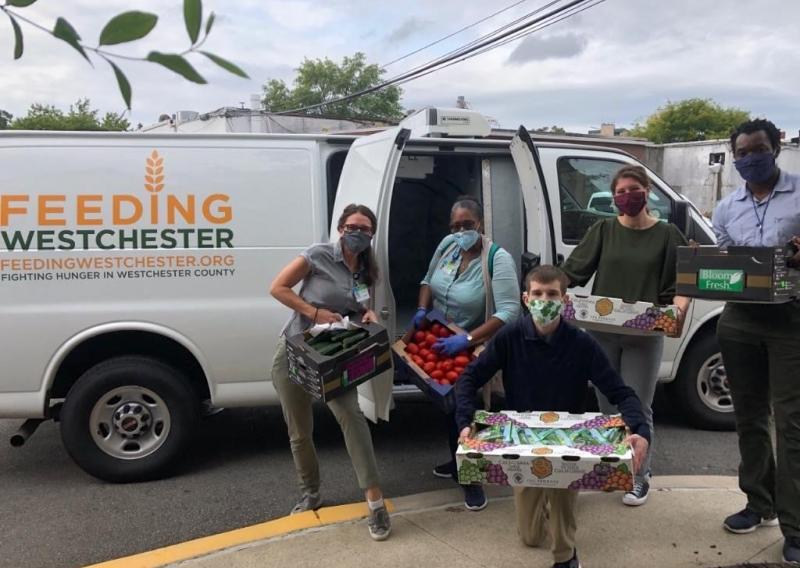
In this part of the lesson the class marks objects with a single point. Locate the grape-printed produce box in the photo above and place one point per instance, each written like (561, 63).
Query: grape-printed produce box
(556, 450)
(612, 314)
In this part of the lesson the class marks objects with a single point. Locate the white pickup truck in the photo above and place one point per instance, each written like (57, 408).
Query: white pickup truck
(134, 267)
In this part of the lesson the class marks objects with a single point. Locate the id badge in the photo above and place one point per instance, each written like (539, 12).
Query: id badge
(450, 267)
(361, 293)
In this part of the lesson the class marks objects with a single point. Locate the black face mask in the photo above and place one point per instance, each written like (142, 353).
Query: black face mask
(356, 242)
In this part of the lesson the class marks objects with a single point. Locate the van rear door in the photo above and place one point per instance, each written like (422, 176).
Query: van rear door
(368, 179)
(540, 232)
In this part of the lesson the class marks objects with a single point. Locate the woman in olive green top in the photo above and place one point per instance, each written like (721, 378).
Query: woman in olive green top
(631, 257)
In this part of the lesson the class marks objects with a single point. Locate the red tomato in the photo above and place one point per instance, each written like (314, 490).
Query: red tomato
(451, 376)
(419, 337)
(430, 339)
(438, 375)
(444, 332)
(461, 361)
(412, 348)
(418, 360)
(458, 370)
(432, 358)
(429, 367)
(446, 365)
(446, 382)
(424, 352)
(435, 328)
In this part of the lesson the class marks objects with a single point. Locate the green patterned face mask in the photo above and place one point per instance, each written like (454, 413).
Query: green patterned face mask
(544, 311)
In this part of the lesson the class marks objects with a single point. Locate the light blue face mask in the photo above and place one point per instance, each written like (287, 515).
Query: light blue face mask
(466, 239)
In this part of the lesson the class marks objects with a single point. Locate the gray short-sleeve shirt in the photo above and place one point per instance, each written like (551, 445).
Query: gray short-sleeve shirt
(328, 285)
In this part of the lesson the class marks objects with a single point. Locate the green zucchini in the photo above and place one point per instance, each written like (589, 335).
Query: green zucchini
(329, 348)
(353, 339)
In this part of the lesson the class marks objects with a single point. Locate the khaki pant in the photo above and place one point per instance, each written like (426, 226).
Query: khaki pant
(299, 417)
(535, 506)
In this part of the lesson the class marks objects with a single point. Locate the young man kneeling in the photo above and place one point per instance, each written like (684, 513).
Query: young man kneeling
(547, 364)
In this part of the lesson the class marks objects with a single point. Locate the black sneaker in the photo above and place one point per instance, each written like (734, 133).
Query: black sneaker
(308, 502)
(474, 497)
(571, 563)
(791, 550)
(641, 489)
(379, 524)
(445, 470)
(747, 520)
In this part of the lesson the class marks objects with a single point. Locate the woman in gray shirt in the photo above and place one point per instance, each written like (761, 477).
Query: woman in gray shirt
(336, 279)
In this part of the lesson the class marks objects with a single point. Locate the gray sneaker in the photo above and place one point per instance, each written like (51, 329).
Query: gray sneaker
(379, 524)
(308, 502)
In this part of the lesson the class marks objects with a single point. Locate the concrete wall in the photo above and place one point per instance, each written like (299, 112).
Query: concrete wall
(684, 167)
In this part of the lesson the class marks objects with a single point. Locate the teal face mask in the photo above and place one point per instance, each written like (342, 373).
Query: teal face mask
(545, 311)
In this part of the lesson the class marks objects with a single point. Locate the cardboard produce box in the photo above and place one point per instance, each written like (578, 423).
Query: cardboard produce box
(612, 314)
(556, 450)
(738, 274)
(325, 376)
(441, 393)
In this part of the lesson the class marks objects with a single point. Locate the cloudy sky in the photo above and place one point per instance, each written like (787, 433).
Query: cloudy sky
(616, 62)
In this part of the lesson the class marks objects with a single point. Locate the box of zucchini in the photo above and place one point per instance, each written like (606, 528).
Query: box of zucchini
(335, 361)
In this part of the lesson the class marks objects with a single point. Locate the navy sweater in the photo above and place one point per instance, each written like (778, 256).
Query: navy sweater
(541, 375)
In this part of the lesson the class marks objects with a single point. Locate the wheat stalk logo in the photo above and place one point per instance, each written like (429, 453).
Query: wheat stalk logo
(154, 173)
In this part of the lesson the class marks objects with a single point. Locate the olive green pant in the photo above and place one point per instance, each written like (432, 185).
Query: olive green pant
(299, 417)
(761, 349)
(536, 506)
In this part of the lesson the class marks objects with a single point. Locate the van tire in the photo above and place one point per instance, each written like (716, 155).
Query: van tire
(129, 419)
(700, 388)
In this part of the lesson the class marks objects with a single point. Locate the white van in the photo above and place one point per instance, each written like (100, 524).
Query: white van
(134, 268)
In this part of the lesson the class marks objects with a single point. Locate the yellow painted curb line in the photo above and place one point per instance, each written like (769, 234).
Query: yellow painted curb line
(270, 529)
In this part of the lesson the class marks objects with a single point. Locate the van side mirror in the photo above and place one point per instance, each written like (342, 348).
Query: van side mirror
(680, 209)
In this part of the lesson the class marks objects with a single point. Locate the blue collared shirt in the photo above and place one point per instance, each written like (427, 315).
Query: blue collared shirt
(736, 218)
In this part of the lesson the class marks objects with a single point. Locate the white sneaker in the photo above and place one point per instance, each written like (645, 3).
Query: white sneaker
(637, 497)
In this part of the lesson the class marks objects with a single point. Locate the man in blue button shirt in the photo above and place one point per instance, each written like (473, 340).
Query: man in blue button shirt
(547, 365)
(760, 343)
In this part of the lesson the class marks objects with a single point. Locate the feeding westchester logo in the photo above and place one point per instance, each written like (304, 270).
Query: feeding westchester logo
(202, 218)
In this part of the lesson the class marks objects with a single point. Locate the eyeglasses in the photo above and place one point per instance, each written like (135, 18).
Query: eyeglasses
(349, 228)
(463, 226)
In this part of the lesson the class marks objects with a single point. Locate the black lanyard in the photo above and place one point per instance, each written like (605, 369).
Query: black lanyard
(761, 219)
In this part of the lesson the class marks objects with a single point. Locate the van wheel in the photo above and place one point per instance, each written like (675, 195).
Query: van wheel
(701, 387)
(129, 419)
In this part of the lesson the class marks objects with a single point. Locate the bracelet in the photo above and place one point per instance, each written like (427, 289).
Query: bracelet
(422, 308)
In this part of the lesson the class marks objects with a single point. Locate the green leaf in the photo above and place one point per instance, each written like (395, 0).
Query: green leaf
(177, 64)
(124, 84)
(20, 3)
(128, 26)
(193, 16)
(210, 22)
(18, 45)
(225, 64)
(63, 30)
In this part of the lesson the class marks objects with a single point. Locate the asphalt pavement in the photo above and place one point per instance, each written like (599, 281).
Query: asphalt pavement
(240, 472)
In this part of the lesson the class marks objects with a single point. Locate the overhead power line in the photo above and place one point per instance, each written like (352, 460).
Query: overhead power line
(465, 28)
(464, 53)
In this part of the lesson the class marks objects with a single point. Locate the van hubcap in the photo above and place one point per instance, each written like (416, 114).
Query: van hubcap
(712, 385)
(129, 422)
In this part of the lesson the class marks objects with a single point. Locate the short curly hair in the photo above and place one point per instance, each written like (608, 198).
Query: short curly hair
(755, 125)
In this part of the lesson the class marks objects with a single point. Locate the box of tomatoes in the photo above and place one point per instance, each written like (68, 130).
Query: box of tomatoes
(558, 450)
(433, 373)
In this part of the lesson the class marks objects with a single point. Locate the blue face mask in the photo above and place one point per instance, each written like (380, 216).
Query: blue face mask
(466, 239)
(756, 167)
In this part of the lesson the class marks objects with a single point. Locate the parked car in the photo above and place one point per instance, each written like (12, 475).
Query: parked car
(134, 267)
